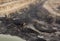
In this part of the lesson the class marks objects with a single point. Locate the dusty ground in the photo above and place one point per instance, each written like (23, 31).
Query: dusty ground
(31, 20)
(52, 6)
(12, 6)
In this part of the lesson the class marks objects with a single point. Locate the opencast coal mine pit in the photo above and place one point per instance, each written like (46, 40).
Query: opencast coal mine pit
(31, 20)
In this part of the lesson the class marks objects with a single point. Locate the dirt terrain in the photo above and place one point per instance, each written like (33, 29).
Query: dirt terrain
(31, 20)
(14, 5)
(53, 6)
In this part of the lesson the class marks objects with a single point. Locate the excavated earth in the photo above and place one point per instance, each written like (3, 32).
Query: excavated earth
(31, 20)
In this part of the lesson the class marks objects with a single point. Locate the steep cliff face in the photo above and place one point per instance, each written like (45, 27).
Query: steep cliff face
(32, 20)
